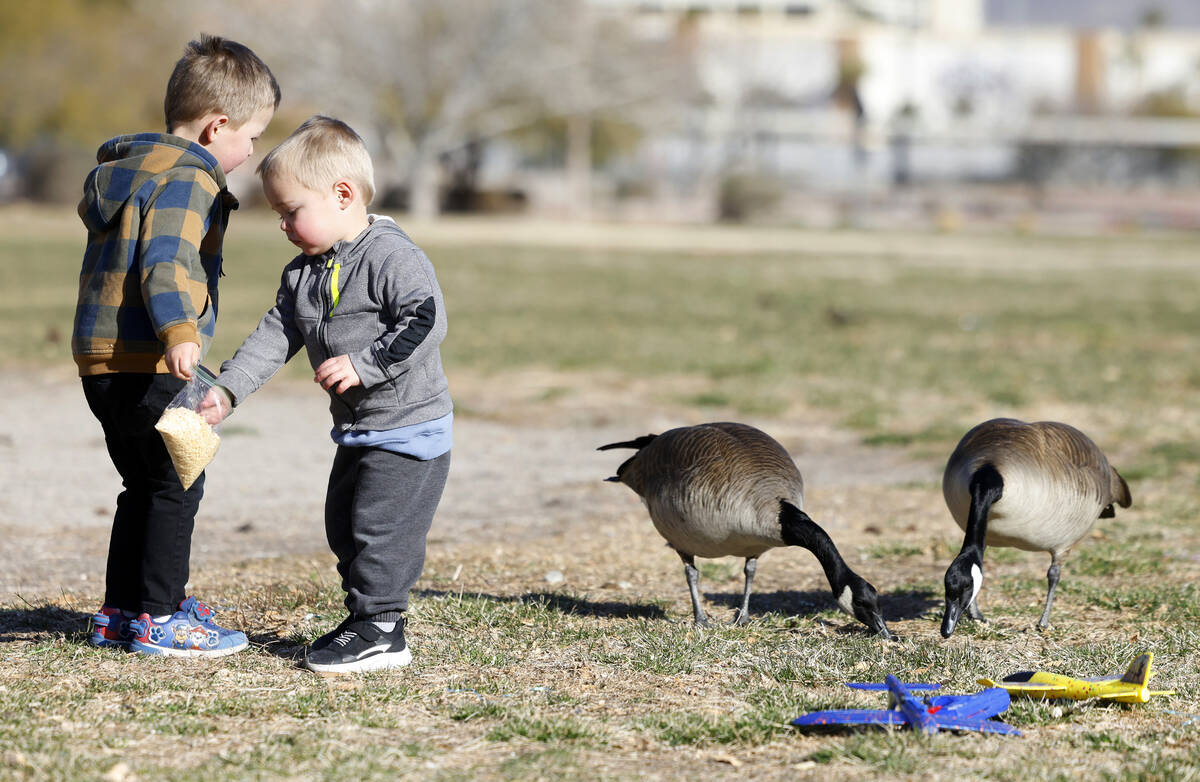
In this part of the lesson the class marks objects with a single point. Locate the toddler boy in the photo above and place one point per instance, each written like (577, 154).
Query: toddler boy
(363, 301)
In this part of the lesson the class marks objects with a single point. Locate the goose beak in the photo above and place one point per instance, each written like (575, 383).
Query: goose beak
(950, 618)
(874, 620)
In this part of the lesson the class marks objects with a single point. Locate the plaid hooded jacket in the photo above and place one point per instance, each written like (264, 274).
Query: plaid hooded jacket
(156, 209)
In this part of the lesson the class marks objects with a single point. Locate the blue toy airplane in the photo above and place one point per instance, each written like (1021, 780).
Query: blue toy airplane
(941, 712)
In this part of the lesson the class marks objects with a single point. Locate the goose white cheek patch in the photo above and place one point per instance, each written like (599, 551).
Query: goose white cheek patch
(845, 601)
(976, 581)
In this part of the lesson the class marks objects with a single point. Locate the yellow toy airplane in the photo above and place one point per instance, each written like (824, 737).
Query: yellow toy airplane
(1130, 688)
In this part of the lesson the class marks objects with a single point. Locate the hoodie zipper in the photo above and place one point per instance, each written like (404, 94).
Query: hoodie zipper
(325, 283)
(330, 297)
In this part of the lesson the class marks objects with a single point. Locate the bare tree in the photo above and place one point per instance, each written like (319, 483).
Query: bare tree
(422, 78)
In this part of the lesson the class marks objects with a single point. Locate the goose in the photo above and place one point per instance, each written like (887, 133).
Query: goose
(729, 489)
(1033, 486)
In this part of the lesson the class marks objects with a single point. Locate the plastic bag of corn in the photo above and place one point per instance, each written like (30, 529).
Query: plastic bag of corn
(191, 441)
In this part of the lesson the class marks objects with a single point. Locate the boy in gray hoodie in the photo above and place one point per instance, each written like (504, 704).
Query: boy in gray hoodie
(364, 303)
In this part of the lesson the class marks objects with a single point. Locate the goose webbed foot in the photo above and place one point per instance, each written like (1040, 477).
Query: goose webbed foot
(741, 618)
(973, 612)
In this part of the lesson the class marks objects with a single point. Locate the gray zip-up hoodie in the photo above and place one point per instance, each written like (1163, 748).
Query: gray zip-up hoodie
(375, 299)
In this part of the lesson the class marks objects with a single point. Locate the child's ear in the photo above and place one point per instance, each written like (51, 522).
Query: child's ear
(208, 134)
(345, 193)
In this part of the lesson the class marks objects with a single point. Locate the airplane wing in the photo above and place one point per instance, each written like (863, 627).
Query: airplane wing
(1031, 689)
(979, 725)
(1119, 692)
(943, 712)
(980, 705)
(881, 717)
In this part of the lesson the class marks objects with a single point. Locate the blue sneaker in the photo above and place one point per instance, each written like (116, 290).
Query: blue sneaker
(110, 627)
(189, 632)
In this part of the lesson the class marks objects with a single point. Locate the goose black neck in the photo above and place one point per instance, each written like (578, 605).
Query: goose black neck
(986, 487)
(799, 530)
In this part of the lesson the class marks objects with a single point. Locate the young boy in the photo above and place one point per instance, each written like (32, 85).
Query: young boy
(363, 301)
(156, 209)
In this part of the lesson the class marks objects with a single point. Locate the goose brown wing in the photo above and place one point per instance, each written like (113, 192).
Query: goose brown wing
(995, 441)
(760, 454)
(1084, 464)
(1067, 454)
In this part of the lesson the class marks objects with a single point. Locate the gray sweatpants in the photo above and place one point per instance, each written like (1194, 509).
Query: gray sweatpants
(378, 509)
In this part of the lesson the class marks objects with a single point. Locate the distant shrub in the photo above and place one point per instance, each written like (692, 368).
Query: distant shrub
(743, 197)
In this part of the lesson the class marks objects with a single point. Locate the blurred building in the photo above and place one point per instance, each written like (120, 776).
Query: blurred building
(844, 100)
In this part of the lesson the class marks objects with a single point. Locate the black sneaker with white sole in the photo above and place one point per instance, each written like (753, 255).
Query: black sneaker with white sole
(325, 640)
(362, 646)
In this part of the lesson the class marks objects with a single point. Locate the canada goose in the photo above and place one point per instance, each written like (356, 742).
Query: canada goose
(1037, 487)
(727, 489)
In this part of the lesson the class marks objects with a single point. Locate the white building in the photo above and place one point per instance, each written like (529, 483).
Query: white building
(943, 95)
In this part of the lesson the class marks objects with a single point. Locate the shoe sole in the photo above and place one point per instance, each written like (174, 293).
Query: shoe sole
(163, 651)
(376, 662)
(101, 642)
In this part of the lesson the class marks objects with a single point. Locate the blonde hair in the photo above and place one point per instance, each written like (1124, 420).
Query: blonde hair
(319, 153)
(219, 75)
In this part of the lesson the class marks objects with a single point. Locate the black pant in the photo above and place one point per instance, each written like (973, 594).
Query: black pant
(152, 528)
(378, 510)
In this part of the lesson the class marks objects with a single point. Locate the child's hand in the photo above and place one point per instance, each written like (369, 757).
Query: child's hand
(215, 406)
(181, 358)
(337, 374)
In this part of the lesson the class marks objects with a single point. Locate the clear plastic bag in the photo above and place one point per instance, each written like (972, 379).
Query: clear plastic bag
(191, 440)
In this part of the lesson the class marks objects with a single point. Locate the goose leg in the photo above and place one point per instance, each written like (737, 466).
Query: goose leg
(743, 614)
(693, 581)
(1052, 583)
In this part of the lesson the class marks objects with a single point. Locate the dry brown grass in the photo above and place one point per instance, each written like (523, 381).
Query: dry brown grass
(601, 675)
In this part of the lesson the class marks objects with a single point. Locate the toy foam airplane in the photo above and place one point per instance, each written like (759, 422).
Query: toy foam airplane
(941, 712)
(1130, 688)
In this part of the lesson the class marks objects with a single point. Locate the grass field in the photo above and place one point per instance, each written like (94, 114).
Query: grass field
(904, 340)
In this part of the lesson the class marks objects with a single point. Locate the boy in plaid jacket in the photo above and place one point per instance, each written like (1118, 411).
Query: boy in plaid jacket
(156, 208)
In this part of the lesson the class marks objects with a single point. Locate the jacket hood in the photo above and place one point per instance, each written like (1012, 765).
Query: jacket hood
(350, 250)
(127, 163)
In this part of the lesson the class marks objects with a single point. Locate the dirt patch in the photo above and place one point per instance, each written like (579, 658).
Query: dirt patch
(525, 468)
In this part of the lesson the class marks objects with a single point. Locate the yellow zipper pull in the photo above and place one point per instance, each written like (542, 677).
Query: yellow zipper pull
(335, 294)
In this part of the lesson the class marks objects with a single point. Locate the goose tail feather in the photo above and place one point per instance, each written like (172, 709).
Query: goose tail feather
(637, 444)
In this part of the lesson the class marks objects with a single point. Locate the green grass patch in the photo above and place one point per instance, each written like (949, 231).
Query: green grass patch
(755, 325)
(895, 550)
(595, 681)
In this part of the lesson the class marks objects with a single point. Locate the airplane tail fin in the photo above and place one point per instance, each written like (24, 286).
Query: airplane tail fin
(1139, 672)
(915, 713)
